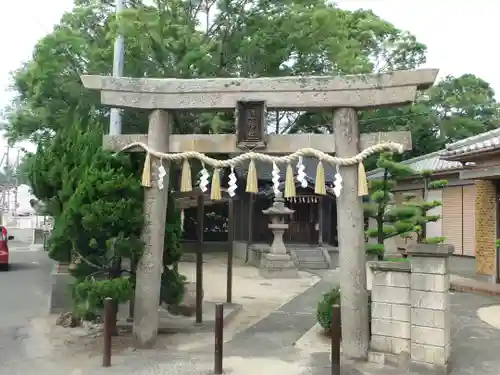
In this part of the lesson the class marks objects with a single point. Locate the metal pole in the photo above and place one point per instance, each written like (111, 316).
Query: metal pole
(115, 121)
(199, 259)
(7, 170)
(17, 182)
(336, 335)
(230, 235)
(133, 268)
(107, 332)
(219, 336)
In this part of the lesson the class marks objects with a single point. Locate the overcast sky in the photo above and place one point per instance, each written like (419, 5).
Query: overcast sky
(461, 36)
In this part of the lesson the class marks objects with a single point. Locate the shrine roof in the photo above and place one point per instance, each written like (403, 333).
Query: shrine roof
(264, 170)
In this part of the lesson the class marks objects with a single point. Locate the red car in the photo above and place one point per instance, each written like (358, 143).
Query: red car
(4, 248)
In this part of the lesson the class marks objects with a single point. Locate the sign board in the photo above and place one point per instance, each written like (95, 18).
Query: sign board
(251, 124)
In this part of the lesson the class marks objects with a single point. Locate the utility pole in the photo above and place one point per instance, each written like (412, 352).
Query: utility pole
(115, 121)
(16, 181)
(8, 175)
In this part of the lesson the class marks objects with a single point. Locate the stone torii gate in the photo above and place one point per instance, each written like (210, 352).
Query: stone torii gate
(251, 97)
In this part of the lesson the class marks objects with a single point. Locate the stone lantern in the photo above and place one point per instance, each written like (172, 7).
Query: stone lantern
(278, 263)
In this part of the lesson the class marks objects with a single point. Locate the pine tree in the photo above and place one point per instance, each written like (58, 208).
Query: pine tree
(390, 219)
(423, 207)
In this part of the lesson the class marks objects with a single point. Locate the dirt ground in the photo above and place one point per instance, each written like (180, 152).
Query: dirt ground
(257, 296)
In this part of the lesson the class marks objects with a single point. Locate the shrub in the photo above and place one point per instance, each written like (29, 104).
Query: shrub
(324, 308)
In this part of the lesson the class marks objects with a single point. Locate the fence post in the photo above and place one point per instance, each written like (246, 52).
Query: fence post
(336, 335)
(107, 332)
(219, 342)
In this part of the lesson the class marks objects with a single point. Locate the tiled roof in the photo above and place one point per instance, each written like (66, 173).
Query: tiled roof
(487, 141)
(264, 169)
(430, 162)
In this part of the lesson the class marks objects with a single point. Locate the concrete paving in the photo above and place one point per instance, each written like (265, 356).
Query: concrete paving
(280, 330)
(271, 350)
(274, 333)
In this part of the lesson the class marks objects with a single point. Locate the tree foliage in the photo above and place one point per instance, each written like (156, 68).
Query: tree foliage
(198, 39)
(237, 38)
(55, 172)
(391, 219)
(96, 200)
(423, 208)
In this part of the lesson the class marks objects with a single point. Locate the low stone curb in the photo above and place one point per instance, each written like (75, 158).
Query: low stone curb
(464, 285)
(187, 324)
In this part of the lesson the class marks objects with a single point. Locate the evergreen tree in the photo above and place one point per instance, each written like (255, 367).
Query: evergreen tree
(103, 220)
(390, 219)
(423, 207)
(96, 200)
(54, 173)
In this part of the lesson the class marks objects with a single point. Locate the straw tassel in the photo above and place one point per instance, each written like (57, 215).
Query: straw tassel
(215, 193)
(186, 183)
(252, 178)
(289, 183)
(362, 182)
(320, 186)
(146, 172)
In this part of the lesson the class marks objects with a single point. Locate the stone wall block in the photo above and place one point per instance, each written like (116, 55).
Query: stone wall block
(430, 354)
(381, 310)
(391, 311)
(430, 336)
(436, 266)
(393, 279)
(391, 328)
(389, 344)
(388, 294)
(430, 282)
(430, 300)
(430, 318)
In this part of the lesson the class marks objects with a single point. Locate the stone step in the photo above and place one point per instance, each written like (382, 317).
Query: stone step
(311, 259)
(314, 255)
(305, 252)
(314, 265)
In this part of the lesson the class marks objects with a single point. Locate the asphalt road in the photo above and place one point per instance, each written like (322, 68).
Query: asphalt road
(25, 288)
(24, 294)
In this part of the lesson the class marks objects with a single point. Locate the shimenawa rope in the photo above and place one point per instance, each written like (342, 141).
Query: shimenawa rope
(386, 146)
(251, 178)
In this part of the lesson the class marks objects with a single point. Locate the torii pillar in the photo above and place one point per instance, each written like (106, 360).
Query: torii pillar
(345, 95)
